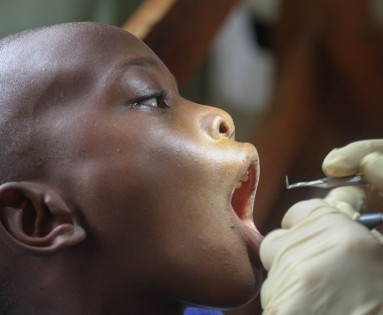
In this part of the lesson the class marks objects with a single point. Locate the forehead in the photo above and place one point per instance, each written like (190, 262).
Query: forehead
(66, 55)
(76, 46)
(87, 44)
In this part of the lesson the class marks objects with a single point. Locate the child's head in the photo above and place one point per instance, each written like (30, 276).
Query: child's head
(117, 195)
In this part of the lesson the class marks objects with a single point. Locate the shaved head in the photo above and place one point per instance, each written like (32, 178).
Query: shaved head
(21, 85)
(38, 72)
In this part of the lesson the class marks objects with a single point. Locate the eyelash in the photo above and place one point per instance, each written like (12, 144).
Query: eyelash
(161, 100)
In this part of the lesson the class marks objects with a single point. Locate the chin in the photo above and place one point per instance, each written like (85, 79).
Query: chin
(232, 290)
(241, 293)
(231, 299)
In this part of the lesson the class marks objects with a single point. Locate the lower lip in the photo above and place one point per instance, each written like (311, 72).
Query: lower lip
(253, 241)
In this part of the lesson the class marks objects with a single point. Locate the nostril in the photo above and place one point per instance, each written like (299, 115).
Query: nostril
(217, 124)
(224, 128)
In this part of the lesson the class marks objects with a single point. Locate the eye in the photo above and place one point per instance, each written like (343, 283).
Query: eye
(159, 101)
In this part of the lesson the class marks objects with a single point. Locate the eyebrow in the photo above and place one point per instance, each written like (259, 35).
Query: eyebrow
(139, 61)
(145, 62)
(118, 68)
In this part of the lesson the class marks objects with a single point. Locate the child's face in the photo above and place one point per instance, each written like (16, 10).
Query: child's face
(154, 175)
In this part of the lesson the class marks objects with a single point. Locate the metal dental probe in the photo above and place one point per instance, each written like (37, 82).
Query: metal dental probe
(329, 182)
(369, 220)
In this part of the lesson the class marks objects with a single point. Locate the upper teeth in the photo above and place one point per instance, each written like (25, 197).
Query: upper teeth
(243, 179)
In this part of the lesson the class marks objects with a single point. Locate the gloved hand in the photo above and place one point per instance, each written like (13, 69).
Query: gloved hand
(362, 157)
(322, 262)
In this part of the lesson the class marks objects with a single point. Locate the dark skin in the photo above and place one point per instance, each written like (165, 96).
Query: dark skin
(139, 201)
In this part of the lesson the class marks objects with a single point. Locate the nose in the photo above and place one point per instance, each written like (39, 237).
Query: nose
(218, 124)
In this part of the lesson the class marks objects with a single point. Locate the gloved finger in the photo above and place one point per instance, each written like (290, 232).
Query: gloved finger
(299, 225)
(298, 221)
(371, 166)
(345, 161)
(378, 236)
(302, 210)
(347, 200)
(271, 246)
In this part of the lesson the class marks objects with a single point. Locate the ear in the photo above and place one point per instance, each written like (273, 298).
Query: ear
(34, 218)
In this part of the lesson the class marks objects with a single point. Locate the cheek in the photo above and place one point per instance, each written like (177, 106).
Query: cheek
(162, 207)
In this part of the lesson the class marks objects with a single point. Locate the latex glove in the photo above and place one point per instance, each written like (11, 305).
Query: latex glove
(322, 262)
(362, 157)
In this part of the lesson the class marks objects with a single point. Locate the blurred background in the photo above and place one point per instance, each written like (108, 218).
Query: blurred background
(299, 77)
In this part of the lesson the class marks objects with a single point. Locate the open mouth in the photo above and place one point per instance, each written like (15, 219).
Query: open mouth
(242, 199)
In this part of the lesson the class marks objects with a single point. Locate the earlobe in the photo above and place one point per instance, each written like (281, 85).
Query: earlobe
(34, 218)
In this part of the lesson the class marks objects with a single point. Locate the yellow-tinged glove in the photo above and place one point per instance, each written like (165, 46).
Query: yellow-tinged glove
(361, 157)
(322, 262)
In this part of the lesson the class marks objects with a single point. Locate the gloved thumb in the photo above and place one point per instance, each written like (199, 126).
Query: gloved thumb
(371, 166)
(347, 200)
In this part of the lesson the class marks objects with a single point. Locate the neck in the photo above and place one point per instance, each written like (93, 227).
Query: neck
(76, 303)
(55, 292)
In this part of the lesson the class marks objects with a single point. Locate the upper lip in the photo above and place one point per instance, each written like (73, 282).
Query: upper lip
(242, 202)
(242, 199)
